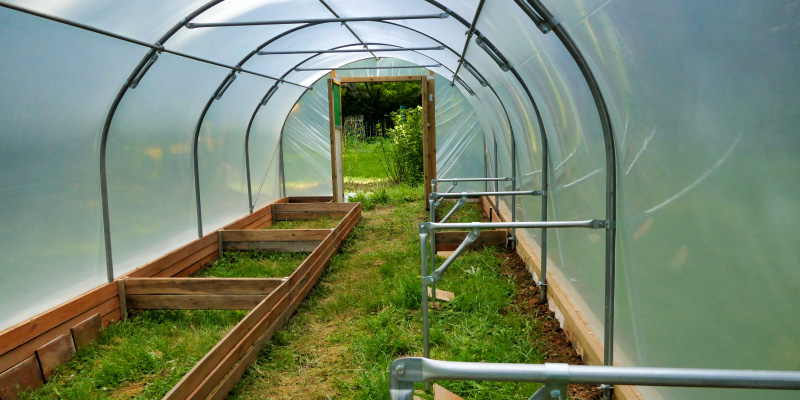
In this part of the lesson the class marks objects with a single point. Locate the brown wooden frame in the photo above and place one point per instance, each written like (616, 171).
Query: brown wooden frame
(19, 344)
(428, 121)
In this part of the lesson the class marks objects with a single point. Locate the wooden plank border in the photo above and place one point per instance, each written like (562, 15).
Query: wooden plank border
(20, 342)
(365, 79)
(218, 371)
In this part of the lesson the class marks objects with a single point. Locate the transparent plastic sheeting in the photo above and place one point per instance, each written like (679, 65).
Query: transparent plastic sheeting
(459, 139)
(265, 160)
(220, 152)
(704, 101)
(149, 160)
(307, 161)
(52, 110)
(702, 96)
(705, 126)
(307, 144)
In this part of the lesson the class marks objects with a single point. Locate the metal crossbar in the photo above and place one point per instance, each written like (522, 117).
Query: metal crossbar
(194, 25)
(436, 198)
(429, 278)
(556, 377)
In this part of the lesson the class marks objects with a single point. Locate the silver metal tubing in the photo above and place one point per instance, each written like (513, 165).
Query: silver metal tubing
(470, 32)
(479, 194)
(351, 68)
(468, 240)
(513, 239)
(423, 239)
(496, 172)
(192, 25)
(611, 177)
(352, 32)
(458, 205)
(405, 371)
(437, 203)
(157, 47)
(429, 269)
(505, 178)
(438, 226)
(365, 50)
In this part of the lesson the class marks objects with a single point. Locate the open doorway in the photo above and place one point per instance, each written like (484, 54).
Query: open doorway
(376, 130)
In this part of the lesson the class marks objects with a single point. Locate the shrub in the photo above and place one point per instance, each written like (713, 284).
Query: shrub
(403, 159)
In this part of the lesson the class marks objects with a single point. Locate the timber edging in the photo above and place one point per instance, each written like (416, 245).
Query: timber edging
(22, 346)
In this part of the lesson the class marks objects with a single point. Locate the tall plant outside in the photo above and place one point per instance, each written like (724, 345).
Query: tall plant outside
(403, 159)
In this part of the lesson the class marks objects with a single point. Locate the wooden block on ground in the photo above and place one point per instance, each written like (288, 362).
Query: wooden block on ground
(56, 352)
(440, 393)
(442, 295)
(445, 253)
(449, 240)
(87, 331)
(21, 377)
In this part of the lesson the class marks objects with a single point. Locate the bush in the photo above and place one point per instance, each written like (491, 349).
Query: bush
(403, 160)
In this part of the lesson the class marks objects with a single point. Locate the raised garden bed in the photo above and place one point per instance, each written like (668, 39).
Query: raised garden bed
(161, 284)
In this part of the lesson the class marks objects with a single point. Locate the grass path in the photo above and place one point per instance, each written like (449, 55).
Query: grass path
(364, 313)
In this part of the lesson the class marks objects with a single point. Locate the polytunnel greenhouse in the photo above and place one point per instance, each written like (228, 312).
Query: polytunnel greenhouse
(639, 157)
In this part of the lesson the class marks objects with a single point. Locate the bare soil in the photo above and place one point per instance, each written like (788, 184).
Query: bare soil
(557, 348)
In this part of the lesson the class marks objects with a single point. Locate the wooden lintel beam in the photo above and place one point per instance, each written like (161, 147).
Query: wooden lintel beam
(364, 79)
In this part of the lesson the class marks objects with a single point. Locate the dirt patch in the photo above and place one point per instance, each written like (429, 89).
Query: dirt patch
(552, 340)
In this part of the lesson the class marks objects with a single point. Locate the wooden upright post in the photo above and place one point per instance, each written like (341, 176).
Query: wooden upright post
(428, 132)
(335, 111)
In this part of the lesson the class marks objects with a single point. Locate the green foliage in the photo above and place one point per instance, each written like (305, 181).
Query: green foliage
(393, 195)
(376, 100)
(403, 160)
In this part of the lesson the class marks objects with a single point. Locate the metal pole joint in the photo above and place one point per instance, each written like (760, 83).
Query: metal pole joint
(603, 224)
(425, 228)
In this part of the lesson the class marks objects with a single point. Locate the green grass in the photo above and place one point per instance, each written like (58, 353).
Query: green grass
(365, 313)
(364, 160)
(142, 357)
(253, 265)
(321, 223)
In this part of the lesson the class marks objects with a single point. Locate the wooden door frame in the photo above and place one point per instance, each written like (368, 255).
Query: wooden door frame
(428, 121)
(335, 156)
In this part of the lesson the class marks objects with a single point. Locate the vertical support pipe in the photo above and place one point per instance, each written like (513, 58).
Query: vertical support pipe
(195, 150)
(611, 181)
(280, 160)
(423, 239)
(496, 175)
(513, 240)
(545, 193)
(485, 163)
(432, 204)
